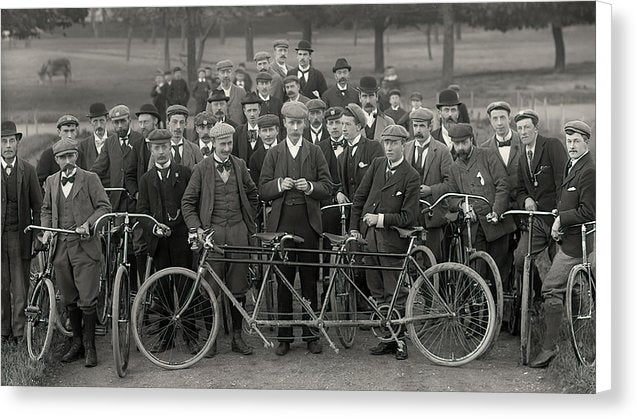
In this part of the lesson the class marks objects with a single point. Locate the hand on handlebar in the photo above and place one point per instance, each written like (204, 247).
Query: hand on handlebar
(468, 211)
(83, 230)
(341, 198)
(529, 204)
(45, 237)
(356, 233)
(493, 217)
(425, 190)
(161, 230)
(555, 229)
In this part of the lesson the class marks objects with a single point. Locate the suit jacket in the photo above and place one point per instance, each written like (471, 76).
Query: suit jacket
(241, 147)
(396, 199)
(178, 93)
(576, 205)
(313, 168)
(256, 162)
(272, 106)
(197, 203)
(435, 174)
(484, 175)
(276, 89)
(47, 165)
(88, 151)
(137, 167)
(149, 202)
(398, 115)
(235, 108)
(89, 203)
(366, 152)
(315, 82)
(111, 165)
(549, 161)
(336, 97)
(29, 203)
(324, 134)
(275, 67)
(200, 93)
(511, 165)
(382, 121)
(159, 97)
(191, 155)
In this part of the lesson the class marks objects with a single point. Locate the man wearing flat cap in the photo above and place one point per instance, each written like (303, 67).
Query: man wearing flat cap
(315, 131)
(387, 197)
(269, 128)
(218, 106)
(447, 110)
(68, 128)
(178, 93)
(234, 93)
(280, 66)
(342, 93)
(184, 152)
(395, 110)
(376, 120)
(21, 204)
(90, 147)
(269, 104)
(262, 62)
(73, 200)
(222, 195)
(201, 91)
(247, 135)
(432, 160)
(295, 177)
(204, 121)
(311, 80)
(575, 205)
(292, 88)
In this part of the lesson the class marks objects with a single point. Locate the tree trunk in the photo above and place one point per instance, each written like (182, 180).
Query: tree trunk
(560, 53)
(437, 33)
(129, 41)
(222, 33)
(249, 35)
(166, 41)
(379, 51)
(458, 31)
(307, 30)
(202, 43)
(448, 45)
(355, 29)
(191, 45)
(183, 34)
(96, 33)
(153, 33)
(429, 42)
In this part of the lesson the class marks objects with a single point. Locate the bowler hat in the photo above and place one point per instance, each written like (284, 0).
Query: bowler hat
(119, 112)
(64, 145)
(159, 136)
(295, 110)
(67, 120)
(340, 64)
(460, 132)
(368, 84)
(251, 98)
(498, 105)
(394, 132)
(304, 45)
(217, 95)
(263, 76)
(148, 108)
(268, 120)
(9, 128)
(448, 97)
(97, 109)
(527, 114)
(579, 127)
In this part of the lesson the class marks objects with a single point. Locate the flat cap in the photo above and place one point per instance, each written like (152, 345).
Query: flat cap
(498, 105)
(218, 95)
(221, 130)
(357, 112)
(176, 110)
(334, 112)
(119, 112)
(159, 136)
(68, 120)
(224, 64)
(262, 55)
(313, 104)
(395, 132)
(268, 120)
(527, 114)
(64, 146)
(578, 126)
(291, 78)
(281, 43)
(460, 132)
(393, 92)
(148, 108)
(294, 110)
(205, 118)
(263, 76)
(416, 96)
(251, 98)
(421, 114)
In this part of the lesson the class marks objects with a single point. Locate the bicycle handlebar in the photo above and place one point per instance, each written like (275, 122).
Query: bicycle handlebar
(343, 205)
(122, 214)
(530, 213)
(455, 195)
(583, 226)
(54, 230)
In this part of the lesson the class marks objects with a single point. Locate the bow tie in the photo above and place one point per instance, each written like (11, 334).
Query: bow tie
(252, 135)
(336, 144)
(205, 151)
(69, 179)
(503, 143)
(227, 165)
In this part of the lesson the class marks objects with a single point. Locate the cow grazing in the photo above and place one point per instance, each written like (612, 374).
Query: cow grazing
(56, 67)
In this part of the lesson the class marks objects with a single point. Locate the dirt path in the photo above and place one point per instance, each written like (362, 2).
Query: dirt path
(351, 369)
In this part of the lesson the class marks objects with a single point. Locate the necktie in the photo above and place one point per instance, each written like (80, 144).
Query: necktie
(569, 166)
(124, 144)
(177, 156)
(69, 179)
(164, 172)
(529, 157)
(504, 143)
(221, 167)
(389, 171)
(8, 169)
(252, 136)
(302, 75)
(421, 151)
(205, 151)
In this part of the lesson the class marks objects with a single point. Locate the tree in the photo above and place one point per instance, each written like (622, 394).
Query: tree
(24, 24)
(448, 43)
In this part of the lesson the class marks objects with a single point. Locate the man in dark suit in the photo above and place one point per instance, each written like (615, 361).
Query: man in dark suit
(293, 90)
(387, 197)
(262, 63)
(576, 205)
(311, 80)
(463, 112)
(235, 94)
(90, 147)
(184, 152)
(295, 177)
(21, 204)
(247, 135)
(269, 135)
(376, 120)
(269, 103)
(178, 93)
(68, 128)
(395, 110)
(158, 95)
(218, 106)
(315, 131)
(280, 66)
(201, 91)
(203, 122)
(222, 195)
(73, 200)
(148, 121)
(447, 107)
(342, 93)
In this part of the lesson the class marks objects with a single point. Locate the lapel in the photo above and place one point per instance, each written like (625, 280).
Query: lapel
(154, 189)
(173, 175)
(578, 166)
(493, 143)
(410, 148)
(238, 174)
(19, 177)
(433, 149)
(539, 149)
(187, 158)
(358, 155)
(77, 185)
(397, 176)
(515, 149)
(210, 170)
(282, 161)
(305, 153)
(55, 188)
(118, 156)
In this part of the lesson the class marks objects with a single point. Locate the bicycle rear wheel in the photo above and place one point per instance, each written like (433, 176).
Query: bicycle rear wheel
(167, 339)
(120, 320)
(494, 282)
(40, 319)
(104, 284)
(581, 314)
(343, 304)
(454, 317)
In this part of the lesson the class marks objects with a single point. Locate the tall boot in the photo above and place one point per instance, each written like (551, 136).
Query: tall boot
(552, 322)
(238, 344)
(76, 351)
(90, 319)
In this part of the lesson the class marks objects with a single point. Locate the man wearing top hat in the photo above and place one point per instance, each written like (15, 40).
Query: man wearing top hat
(247, 135)
(203, 122)
(395, 110)
(295, 177)
(387, 197)
(316, 130)
(218, 106)
(201, 91)
(447, 111)
(575, 205)
(269, 135)
(178, 93)
(73, 200)
(234, 93)
(90, 147)
(184, 152)
(269, 104)
(222, 195)
(432, 160)
(262, 63)
(21, 204)
(293, 90)
(311, 80)
(68, 128)
(376, 120)
(158, 95)
(342, 93)
(280, 65)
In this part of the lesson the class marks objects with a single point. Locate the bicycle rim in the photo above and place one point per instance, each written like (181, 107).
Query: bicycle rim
(494, 282)
(581, 314)
(40, 319)
(343, 303)
(120, 321)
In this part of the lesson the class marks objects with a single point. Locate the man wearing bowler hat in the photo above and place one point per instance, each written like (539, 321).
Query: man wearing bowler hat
(234, 93)
(247, 135)
(68, 128)
(376, 120)
(280, 65)
(218, 106)
(148, 121)
(463, 112)
(342, 93)
(269, 104)
(316, 130)
(311, 80)
(448, 111)
(295, 177)
(262, 62)
(178, 93)
(21, 204)
(90, 147)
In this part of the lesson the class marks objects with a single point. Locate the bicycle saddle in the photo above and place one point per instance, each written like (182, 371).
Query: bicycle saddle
(270, 237)
(408, 232)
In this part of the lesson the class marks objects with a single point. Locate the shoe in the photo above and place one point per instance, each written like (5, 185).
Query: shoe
(401, 353)
(282, 349)
(76, 351)
(315, 346)
(239, 345)
(90, 320)
(543, 359)
(212, 351)
(162, 346)
(384, 348)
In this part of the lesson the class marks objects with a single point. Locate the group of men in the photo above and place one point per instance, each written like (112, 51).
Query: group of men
(298, 146)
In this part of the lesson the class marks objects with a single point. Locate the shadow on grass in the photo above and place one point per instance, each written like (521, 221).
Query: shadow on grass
(19, 370)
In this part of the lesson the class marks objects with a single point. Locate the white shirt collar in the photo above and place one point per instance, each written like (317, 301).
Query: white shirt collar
(264, 98)
(226, 92)
(355, 141)
(267, 147)
(5, 164)
(506, 137)
(181, 142)
(103, 138)
(217, 158)
(341, 88)
(427, 141)
(72, 173)
(304, 69)
(202, 144)
(253, 128)
(292, 146)
(163, 166)
(398, 163)
(396, 108)
(574, 162)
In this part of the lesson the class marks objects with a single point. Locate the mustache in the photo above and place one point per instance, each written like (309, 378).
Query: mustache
(69, 166)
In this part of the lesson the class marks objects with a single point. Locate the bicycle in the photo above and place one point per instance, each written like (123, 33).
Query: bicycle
(581, 304)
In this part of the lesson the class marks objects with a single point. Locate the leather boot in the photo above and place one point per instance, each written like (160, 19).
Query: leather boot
(552, 322)
(90, 318)
(239, 345)
(76, 351)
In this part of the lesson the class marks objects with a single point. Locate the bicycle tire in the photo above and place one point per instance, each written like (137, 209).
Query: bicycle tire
(581, 314)
(525, 316)
(455, 253)
(104, 285)
(414, 273)
(40, 319)
(343, 304)
(496, 292)
(472, 316)
(62, 322)
(120, 321)
(148, 304)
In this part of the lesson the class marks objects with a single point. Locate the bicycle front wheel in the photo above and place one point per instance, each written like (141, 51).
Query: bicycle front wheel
(343, 303)
(581, 314)
(167, 332)
(450, 320)
(480, 262)
(120, 320)
(104, 285)
(40, 319)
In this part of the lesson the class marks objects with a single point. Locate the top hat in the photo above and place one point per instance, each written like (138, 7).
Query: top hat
(97, 109)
